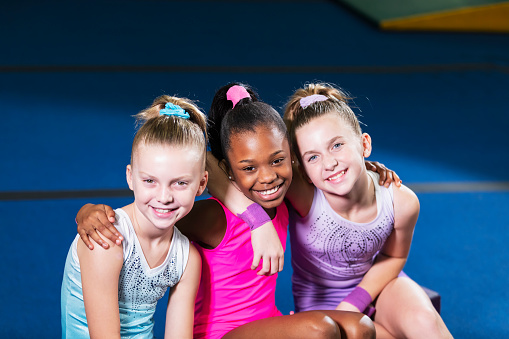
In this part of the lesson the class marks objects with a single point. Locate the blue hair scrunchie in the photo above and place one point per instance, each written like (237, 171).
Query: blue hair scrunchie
(174, 110)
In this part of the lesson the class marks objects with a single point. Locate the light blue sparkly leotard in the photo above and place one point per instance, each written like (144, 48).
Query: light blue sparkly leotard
(330, 254)
(139, 287)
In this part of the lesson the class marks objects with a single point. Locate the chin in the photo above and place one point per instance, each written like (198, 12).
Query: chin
(271, 204)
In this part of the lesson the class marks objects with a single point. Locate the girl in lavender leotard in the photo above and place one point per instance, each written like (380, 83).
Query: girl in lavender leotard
(350, 237)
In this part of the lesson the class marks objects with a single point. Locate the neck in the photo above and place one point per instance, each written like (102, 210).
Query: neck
(271, 212)
(145, 230)
(360, 199)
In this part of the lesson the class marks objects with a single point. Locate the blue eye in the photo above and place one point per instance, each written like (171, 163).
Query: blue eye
(311, 158)
(336, 146)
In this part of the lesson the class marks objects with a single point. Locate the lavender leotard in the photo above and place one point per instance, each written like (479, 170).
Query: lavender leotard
(330, 254)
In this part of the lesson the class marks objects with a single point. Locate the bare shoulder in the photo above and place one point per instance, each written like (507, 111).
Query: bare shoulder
(406, 204)
(107, 262)
(193, 267)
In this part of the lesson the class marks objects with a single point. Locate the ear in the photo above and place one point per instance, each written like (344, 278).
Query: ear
(366, 145)
(203, 183)
(129, 176)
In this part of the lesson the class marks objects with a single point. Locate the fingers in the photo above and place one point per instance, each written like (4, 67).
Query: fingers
(370, 166)
(84, 236)
(397, 179)
(110, 213)
(388, 178)
(270, 265)
(274, 265)
(102, 221)
(97, 238)
(265, 266)
(256, 262)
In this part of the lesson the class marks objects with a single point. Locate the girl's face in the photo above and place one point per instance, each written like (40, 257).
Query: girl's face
(261, 165)
(332, 153)
(165, 180)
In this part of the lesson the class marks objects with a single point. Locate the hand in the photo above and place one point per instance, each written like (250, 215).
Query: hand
(344, 306)
(93, 218)
(267, 246)
(387, 176)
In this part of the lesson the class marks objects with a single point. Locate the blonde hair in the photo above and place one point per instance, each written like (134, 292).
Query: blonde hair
(162, 129)
(296, 116)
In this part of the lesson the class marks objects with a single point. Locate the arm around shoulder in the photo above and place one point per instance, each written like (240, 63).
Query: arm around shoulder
(301, 191)
(180, 311)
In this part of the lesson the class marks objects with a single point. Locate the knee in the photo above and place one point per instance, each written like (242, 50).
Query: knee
(424, 319)
(362, 329)
(321, 326)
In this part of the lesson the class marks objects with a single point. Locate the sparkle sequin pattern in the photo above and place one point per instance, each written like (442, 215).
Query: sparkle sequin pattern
(342, 244)
(139, 290)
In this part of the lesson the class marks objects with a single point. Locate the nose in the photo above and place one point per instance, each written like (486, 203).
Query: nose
(266, 175)
(329, 162)
(165, 195)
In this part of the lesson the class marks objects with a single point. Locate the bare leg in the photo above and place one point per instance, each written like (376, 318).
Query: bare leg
(352, 324)
(405, 311)
(308, 325)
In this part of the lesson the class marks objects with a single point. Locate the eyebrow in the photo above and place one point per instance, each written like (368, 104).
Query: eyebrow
(251, 160)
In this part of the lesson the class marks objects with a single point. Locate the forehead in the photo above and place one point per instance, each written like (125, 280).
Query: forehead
(327, 123)
(157, 154)
(260, 142)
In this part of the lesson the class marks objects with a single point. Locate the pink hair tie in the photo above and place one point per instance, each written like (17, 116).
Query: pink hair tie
(237, 93)
(306, 101)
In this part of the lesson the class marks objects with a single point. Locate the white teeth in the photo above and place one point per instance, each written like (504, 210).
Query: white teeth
(271, 191)
(336, 176)
(159, 210)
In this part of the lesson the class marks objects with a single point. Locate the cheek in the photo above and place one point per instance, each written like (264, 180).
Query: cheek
(187, 197)
(309, 169)
(142, 193)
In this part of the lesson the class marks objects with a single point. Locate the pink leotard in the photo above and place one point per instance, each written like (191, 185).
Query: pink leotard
(231, 293)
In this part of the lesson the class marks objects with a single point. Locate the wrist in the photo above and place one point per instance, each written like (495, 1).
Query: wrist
(254, 216)
(359, 298)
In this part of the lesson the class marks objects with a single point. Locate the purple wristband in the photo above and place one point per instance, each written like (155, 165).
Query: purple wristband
(254, 216)
(359, 298)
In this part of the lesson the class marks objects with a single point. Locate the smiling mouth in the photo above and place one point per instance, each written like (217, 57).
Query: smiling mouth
(336, 176)
(271, 191)
(164, 210)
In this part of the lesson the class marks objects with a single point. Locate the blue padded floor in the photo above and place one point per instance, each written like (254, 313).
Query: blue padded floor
(73, 73)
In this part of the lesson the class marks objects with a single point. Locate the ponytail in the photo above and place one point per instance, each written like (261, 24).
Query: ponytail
(171, 120)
